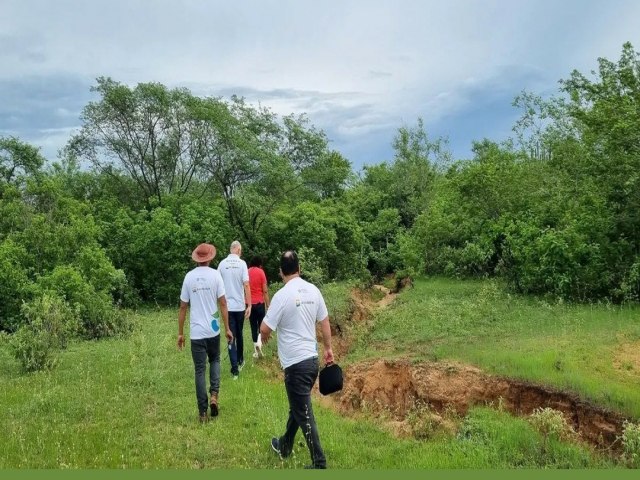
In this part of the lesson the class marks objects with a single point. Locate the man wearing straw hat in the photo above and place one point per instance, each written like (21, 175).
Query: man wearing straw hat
(203, 290)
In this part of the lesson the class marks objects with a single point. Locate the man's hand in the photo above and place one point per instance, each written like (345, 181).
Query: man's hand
(247, 312)
(180, 342)
(229, 336)
(328, 356)
(265, 333)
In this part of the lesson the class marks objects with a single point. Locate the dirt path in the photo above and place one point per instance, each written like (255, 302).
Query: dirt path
(391, 390)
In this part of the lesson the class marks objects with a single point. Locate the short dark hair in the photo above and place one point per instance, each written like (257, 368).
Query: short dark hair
(289, 263)
(256, 261)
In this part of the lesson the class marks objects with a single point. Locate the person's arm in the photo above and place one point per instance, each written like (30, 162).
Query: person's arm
(224, 310)
(325, 327)
(265, 333)
(247, 299)
(265, 292)
(182, 315)
(271, 319)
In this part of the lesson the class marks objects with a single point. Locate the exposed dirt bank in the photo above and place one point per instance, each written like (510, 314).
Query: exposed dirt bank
(392, 389)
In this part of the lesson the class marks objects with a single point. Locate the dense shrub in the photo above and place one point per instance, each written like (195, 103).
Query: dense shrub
(154, 248)
(97, 315)
(49, 324)
(631, 444)
(14, 284)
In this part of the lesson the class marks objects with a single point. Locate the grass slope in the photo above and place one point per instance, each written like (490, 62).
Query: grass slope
(576, 347)
(130, 403)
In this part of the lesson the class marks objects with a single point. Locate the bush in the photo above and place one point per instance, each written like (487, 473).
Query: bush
(97, 269)
(630, 288)
(551, 424)
(631, 444)
(97, 315)
(154, 248)
(50, 323)
(101, 319)
(423, 422)
(14, 284)
(311, 266)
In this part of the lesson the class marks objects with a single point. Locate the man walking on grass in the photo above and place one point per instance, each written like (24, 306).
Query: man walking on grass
(203, 290)
(235, 275)
(294, 311)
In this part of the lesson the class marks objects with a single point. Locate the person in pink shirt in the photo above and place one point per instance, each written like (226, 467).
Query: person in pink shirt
(259, 302)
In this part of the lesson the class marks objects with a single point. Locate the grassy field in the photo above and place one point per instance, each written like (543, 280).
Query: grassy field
(593, 350)
(130, 402)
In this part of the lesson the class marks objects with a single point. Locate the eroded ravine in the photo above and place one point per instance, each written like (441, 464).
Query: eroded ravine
(391, 388)
(394, 387)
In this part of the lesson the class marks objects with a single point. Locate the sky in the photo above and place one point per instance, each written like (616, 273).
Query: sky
(358, 69)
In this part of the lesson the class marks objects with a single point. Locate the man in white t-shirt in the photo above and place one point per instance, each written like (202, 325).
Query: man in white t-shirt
(203, 290)
(235, 275)
(294, 312)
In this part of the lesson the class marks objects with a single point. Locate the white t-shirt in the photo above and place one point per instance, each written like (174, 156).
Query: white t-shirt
(202, 287)
(293, 312)
(234, 272)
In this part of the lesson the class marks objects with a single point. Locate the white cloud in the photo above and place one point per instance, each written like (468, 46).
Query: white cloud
(367, 65)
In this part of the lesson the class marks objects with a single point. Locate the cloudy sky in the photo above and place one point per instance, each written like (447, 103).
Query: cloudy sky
(359, 69)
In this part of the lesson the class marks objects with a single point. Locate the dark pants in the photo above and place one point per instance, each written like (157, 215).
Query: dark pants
(201, 350)
(255, 319)
(298, 381)
(236, 350)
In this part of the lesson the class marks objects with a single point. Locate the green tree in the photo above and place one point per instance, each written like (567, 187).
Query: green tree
(147, 131)
(258, 162)
(18, 161)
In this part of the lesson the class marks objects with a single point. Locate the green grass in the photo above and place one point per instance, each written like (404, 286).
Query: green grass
(130, 403)
(567, 346)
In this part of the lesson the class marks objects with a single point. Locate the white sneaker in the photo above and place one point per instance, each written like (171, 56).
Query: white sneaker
(255, 354)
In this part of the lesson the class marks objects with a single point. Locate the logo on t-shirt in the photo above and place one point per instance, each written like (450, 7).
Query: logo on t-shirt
(297, 302)
(215, 323)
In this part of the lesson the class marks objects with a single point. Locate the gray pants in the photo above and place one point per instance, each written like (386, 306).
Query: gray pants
(201, 350)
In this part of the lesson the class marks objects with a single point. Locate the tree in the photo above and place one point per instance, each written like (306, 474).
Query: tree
(148, 131)
(17, 161)
(258, 163)
(606, 113)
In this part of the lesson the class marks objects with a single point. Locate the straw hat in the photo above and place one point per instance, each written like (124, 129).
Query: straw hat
(204, 252)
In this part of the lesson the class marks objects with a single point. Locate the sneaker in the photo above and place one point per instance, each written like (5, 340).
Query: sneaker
(204, 418)
(255, 354)
(214, 404)
(308, 467)
(275, 446)
(240, 366)
(235, 377)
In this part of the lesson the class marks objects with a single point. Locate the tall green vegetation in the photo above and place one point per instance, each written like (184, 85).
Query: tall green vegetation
(558, 213)
(555, 211)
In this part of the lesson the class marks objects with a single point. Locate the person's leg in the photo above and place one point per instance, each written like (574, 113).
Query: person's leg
(261, 315)
(254, 322)
(239, 337)
(213, 352)
(199, 355)
(285, 442)
(257, 314)
(299, 380)
(232, 347)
